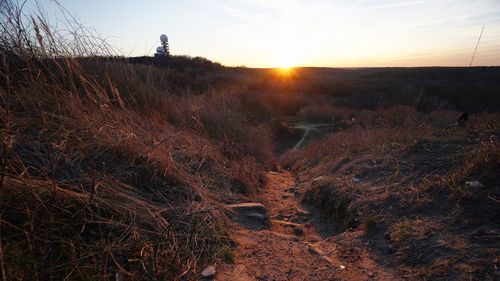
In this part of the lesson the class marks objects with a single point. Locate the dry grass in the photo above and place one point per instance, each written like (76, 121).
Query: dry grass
(412, 172)
(111, 168)
(103, 170)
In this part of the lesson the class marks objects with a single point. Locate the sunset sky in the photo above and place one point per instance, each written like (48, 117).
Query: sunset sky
(266, 33)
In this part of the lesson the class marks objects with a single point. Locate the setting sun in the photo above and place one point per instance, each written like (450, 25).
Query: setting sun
(286, 63)
(285, 58)
(285, 72)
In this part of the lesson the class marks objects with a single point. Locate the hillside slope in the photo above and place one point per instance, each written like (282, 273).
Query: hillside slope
(425, 194)
(105, 171)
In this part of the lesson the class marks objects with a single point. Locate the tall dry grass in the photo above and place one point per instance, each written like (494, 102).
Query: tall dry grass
(103, 171)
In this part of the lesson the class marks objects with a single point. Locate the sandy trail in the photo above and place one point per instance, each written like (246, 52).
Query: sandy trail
(292, 249)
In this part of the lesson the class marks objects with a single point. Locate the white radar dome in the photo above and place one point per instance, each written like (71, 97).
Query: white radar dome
(163, 38)
(160, 49)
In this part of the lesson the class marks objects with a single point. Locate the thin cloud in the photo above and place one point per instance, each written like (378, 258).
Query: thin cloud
(396, 5)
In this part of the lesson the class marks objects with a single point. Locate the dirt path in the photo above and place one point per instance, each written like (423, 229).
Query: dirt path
(292, 249)
(306, 128)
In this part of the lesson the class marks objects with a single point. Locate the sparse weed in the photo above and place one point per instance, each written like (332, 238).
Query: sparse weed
(226, 254)
(402, 230)
(370, 224)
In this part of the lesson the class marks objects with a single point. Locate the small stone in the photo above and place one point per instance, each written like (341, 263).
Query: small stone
(208, 272)
(298, 231)
(355, 180)
(370, 273)
(342, 267)
(476, 184)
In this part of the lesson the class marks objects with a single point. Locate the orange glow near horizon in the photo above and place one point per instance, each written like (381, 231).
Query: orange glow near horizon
(285, 72)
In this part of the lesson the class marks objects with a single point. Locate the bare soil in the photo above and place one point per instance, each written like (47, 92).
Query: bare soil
(292, 247)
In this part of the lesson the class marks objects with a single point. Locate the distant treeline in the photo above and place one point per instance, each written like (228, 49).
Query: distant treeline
(471, 89)
(185, 63)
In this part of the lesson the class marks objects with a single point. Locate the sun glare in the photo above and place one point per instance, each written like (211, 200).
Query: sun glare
(285, 72)
(286, 63)
(285, 59)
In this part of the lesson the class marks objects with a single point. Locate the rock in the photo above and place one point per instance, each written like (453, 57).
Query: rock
(342, 267)
(476, 184)
(208, 272)
(370, 273)
(248, 207)
(355, 180)
(250, 215)
(298, 231)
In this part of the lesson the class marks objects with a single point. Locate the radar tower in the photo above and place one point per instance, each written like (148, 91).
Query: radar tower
(163, 50)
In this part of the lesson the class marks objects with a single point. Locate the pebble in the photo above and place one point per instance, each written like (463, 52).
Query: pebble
(476, 184)
(208, 272)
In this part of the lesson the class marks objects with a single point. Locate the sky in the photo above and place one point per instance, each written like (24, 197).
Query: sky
(281, 33)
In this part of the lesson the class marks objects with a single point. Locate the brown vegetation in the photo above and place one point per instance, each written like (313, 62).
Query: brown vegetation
(114, 165)
(103, 170)
(409, 183)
